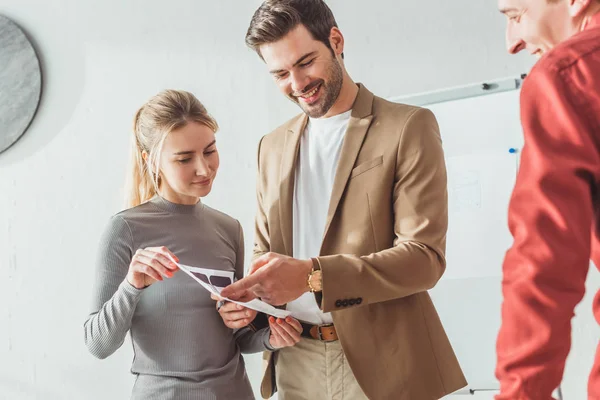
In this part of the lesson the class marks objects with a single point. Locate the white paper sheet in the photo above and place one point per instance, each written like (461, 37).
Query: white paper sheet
(255, 304)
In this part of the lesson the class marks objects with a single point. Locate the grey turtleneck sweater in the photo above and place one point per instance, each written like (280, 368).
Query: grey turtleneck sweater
(182, 348)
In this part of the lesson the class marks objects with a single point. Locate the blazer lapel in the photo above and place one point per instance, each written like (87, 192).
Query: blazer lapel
(356, 132)
(288, 178)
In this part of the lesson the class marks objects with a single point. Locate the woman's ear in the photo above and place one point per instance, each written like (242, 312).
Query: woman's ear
(146, 158)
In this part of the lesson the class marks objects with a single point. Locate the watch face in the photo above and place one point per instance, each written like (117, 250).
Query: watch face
(315, 280)
(20, 83)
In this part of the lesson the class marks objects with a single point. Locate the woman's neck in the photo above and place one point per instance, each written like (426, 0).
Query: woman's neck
(177, 198)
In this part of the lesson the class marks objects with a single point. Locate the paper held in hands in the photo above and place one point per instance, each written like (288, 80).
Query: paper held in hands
(214, 281)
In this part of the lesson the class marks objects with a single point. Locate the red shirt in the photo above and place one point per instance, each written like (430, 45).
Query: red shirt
(554, 218)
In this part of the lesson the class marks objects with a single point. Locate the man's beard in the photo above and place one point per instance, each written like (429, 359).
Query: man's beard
(329, 91)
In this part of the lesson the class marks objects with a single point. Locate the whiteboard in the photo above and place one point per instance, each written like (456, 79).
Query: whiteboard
(478, 134)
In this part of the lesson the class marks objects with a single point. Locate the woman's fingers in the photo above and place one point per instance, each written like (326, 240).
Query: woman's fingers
(281, 336)
(291, 330)
(161, 257)
(241, 323)
(150, 261)
(150, 265)
(234, 315)
(166, 252)
(143, 268)
(229, 307)
(165, 257)
(294, 323)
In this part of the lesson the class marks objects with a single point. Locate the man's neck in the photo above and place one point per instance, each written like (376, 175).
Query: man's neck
(592, 12)
(346, 99)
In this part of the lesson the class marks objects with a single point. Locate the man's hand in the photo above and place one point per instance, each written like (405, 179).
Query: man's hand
(275, 278)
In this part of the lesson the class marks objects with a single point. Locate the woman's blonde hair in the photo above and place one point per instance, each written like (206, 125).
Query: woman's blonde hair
(167, 111)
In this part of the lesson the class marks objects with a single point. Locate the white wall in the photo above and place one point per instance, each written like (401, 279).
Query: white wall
(102, 60)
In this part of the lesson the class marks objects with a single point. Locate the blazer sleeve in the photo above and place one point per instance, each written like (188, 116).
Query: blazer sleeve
(420, 202)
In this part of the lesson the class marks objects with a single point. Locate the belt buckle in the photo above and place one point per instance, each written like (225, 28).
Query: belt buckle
(320, 333)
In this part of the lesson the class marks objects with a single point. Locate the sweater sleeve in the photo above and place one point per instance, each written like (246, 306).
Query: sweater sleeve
(248, 338)
(114, 299)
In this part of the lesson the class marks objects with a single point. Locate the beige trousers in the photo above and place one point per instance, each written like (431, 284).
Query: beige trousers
(315, 370)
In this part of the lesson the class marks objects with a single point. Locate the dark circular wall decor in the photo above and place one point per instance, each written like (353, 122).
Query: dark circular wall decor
(20, 83)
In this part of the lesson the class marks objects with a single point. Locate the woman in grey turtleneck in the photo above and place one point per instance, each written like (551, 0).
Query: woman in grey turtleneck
(182, 348)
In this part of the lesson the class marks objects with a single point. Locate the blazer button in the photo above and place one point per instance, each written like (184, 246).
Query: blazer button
(352, 302)
(338, 303)
(359, 300)
(345, 303)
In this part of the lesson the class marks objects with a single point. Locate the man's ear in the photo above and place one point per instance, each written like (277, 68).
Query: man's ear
(578, 7)
(336, 41)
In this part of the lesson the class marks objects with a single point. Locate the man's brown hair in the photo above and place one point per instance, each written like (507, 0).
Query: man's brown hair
(276, 18)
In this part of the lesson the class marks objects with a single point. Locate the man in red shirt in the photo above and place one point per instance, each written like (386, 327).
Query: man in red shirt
(554, 212)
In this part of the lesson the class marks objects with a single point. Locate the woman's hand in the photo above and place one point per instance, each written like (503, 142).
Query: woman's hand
(150, 265)
(284, 332)
(234, 315)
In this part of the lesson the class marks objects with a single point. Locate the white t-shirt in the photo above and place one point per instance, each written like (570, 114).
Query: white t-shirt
(320, 149)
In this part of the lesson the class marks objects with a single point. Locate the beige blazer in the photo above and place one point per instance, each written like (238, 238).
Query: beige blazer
(383, 246)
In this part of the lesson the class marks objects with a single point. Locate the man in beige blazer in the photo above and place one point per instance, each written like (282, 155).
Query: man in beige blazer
(351, 225)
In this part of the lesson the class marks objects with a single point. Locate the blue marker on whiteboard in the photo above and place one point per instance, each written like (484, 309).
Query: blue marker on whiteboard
(512, 150)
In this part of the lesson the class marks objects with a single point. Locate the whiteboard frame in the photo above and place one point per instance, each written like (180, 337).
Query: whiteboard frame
(461, 92)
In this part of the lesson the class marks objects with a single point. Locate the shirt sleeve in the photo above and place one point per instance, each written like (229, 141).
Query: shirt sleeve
(550, 217)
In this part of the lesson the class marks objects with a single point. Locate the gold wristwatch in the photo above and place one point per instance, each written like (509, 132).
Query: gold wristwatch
(315, 278)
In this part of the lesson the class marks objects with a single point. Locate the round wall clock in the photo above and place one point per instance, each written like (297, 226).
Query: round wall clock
(20, 83)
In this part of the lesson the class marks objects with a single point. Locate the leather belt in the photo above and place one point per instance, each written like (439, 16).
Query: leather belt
(324, 333)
